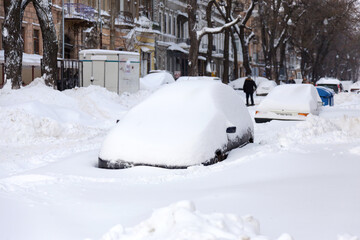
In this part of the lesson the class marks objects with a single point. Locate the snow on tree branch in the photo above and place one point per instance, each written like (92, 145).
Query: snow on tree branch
(207, 30)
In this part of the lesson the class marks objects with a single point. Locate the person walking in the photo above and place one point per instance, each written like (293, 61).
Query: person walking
(249, 89)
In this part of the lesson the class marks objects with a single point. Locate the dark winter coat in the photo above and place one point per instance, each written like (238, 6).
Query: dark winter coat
(249, 86)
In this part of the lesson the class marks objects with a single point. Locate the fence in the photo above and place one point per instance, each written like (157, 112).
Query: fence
(68, 73)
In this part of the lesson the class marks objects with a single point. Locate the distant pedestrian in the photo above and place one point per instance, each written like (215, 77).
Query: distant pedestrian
(249, 88)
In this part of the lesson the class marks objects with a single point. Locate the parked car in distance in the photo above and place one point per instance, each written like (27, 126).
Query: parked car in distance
(355, 87)
(238, 84)
(289, 102)
(187, 78)
(182, 124)
(332, 83)
(265, 87)
(155, 79)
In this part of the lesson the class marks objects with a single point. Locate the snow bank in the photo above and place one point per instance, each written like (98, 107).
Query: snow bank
(182, 221)
(38, 113)
(181, 124)
(153, 81)
(318, 130)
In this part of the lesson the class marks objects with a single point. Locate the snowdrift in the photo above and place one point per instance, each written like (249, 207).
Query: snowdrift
(181, 220)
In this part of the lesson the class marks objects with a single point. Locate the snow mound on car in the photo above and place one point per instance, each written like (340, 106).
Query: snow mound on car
(290, 97)
(181, 124)
(182, 221)
(153, 81)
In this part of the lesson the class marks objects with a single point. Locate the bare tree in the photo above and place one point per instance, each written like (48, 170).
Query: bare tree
(324, 37)
(14, 44)
(196, 35)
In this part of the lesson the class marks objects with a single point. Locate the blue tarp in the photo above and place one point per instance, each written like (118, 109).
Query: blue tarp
(326, 95)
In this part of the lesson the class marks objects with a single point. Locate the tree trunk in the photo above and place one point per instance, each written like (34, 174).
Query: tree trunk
(112, 24)
(13, 42)
(210, 37)
(50, 43)
(194, 41)
(236, 65)
(225, 78)
(245, 52)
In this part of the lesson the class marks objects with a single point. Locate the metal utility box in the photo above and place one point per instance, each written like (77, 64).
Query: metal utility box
(326, 95)
(117, 71)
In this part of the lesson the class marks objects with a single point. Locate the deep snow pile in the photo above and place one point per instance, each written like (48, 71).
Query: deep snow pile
(39, 119)
(38, 113)
(298, 177)
(181, 220)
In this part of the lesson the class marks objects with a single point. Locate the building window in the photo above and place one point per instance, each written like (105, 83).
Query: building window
(165, 26)
(174, 26)
(170, 24)
(160, 21)
(36, 39)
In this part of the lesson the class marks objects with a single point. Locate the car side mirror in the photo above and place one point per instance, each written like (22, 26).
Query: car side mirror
(231, 130)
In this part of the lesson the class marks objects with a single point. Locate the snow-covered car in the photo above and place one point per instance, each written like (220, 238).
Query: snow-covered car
(334, 84)
(182, 124)
(265, 87)
(289, 102)
(155, 80)
(187, 78)
(238, 84)
(355, 87)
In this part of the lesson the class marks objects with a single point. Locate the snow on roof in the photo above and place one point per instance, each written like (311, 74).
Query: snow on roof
(291, 97)
(181, 124)
(328, 81)
(176, 47)
(28, 59)
(103, 51)
(153, 81)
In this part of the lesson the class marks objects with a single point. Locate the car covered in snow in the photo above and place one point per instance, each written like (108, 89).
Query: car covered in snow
(238, 84)
(334, 84)
(187, 78)
(355, 87)
(289, 102)
(156, 79)
(180, 125)
(265, 87)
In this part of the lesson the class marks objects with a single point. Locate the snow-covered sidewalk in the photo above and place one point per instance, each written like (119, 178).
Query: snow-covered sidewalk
(299, 180)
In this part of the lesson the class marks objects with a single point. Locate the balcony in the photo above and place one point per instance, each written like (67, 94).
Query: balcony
(125, 19)
(79, 12)
(183, 40)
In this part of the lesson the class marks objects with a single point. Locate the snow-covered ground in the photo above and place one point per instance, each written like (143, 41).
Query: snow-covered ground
(299, 180)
